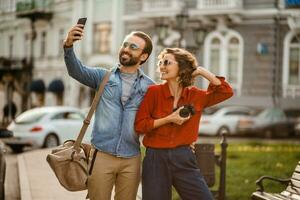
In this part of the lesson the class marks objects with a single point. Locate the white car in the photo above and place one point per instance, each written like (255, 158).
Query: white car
(45, 127)
(215, 121)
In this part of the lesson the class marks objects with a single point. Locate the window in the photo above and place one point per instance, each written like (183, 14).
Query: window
(223, 56)
(11, 45)
(233, 57)
(68, 116)
(291, 65)
(61, 37)
(102, 38)
(27, 45)
(43, 44)
(8, 6)
(215, 56)
(294, 61)
(30, 116)
(238, 112)
(12, 6)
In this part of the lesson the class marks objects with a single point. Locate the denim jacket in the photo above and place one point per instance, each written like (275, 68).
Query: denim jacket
(113, 130)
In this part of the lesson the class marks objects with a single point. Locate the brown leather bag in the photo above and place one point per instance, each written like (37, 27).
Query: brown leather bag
(70, 160)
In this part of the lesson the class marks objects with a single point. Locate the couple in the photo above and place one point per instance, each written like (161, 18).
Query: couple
(130, 105)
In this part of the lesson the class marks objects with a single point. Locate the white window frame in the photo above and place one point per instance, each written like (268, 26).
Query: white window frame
(102, 45)
(43, 44)
(288, 90)
(61, 37)
(225, 39)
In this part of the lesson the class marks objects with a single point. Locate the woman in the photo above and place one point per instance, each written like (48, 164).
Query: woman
(169, 161)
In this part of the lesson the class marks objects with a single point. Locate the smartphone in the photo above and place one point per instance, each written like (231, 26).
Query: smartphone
(81, 21)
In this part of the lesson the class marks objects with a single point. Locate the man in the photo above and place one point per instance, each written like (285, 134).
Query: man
(117, 158)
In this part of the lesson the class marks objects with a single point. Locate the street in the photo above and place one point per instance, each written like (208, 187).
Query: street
(38, 181)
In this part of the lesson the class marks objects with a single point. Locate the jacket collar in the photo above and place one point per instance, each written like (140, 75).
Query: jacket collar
(167, 93)
(117, 69)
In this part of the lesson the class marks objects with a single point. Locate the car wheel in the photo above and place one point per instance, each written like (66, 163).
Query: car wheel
(51, 141)
(223, 130)
(17, 148)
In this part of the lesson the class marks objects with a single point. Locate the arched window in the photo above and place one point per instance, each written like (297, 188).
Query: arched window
(294, 61)
(233, 60)
(291, 65)
(224, 56)
(215, 55)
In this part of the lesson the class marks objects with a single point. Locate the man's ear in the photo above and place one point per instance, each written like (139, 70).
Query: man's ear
(144, 56)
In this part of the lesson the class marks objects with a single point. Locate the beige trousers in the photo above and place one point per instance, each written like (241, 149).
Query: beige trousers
(109, 171)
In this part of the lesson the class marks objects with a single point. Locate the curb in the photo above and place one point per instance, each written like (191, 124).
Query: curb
(25, 192)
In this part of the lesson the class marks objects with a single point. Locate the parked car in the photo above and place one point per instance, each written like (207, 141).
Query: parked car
(270, 122)
(215, 121)
(45, 127)
(4, 133)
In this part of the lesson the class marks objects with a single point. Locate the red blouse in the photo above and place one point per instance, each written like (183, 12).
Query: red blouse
(158, 103)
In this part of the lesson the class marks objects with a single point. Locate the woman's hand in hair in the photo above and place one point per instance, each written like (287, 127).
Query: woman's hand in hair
(201, 71)
(198, 72)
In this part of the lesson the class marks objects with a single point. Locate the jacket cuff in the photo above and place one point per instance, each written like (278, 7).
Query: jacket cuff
(68, 49)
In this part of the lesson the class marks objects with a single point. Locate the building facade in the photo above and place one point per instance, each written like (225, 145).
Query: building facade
(255, 44)
(35, 30)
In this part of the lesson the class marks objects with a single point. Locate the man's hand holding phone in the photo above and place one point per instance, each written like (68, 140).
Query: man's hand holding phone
(75, 33)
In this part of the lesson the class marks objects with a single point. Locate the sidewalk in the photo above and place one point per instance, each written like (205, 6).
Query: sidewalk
(38, 182)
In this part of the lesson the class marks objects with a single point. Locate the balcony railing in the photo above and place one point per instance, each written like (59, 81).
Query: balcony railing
(34, 5)
(220, 4)
(161, 5)
(34, 9)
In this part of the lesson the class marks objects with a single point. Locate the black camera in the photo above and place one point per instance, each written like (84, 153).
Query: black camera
(186, 111)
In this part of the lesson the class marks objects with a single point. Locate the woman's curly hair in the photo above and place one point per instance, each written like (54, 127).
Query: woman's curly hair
(187, 63)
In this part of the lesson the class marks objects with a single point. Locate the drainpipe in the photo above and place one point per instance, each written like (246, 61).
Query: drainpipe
(276, 57)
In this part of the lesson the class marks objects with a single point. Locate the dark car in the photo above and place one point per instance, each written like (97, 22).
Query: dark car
(270, 122)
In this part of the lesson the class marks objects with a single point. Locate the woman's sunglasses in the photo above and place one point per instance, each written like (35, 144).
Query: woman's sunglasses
(131, 46)
(165, 62)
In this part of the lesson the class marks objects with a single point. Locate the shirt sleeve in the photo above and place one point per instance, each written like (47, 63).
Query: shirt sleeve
(143, 121)
(218, 93)
(89, 76)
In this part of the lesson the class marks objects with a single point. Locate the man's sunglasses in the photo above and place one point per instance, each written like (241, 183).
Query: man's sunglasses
(131, 46)
(165, 62)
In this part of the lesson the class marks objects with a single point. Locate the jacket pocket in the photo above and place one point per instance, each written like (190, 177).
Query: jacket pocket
(110, 90)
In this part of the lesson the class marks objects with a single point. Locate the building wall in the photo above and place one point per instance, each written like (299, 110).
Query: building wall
(254, 22)
(52, 66)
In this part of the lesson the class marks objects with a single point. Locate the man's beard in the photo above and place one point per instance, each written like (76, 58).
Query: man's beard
(128, 62)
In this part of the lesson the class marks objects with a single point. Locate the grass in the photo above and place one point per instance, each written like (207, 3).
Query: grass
(246, 162)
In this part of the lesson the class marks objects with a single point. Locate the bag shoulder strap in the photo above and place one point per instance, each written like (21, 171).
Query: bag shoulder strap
(87, 120)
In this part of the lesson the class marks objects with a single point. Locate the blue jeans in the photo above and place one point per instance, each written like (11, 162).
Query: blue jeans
(163, 168)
